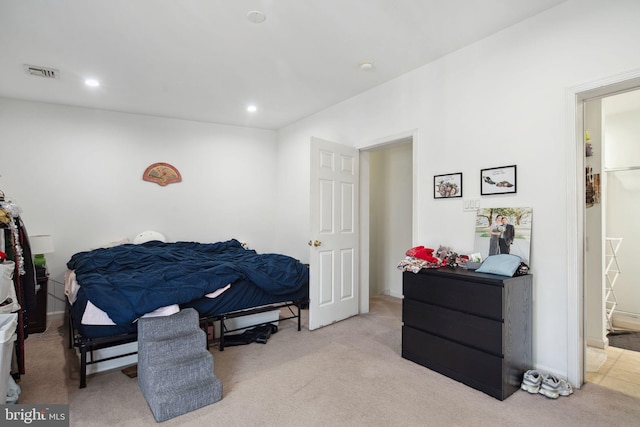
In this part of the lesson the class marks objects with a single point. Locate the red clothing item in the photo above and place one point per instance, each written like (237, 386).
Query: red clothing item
(422, 253)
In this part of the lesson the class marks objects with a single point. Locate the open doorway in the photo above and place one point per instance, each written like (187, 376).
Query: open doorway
(575, 223)
(612, 306)
(390, 204)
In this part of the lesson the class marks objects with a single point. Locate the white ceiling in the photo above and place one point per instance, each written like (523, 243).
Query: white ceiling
(204, 60)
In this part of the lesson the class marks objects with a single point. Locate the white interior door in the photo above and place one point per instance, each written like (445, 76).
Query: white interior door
(334, 258)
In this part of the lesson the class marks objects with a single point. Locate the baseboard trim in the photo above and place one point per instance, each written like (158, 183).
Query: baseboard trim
(597, 342)
(55, 315)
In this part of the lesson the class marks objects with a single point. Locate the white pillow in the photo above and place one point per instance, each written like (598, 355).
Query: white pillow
(122, 241)
(147, 236)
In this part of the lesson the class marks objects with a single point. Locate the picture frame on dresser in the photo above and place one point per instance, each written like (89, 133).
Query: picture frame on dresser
(488, 232)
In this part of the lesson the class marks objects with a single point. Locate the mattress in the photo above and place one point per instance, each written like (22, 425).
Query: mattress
(241, 295)
(255, 280)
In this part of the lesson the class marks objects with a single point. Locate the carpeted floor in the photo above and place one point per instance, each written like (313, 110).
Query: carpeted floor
(348, 374)
(629, 340)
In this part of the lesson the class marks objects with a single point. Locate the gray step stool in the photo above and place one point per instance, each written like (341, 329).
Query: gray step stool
(175, 369)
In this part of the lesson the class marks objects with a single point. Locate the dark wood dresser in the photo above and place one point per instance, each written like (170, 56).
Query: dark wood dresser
(472, 327)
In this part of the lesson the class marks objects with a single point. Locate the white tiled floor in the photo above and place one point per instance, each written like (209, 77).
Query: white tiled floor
(620, 371)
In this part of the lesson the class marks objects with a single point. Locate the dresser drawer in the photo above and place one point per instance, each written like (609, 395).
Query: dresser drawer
(457, 294)
(478, 332)
(474, 368)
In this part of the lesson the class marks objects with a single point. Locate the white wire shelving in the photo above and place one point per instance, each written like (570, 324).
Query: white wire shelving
(611, 272)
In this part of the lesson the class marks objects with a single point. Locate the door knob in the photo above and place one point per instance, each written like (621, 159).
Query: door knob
(315, 243)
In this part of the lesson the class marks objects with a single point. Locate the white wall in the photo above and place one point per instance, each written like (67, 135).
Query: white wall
(622, 149)
(77, 174)
(391, 201)
(595, 322)
(501, 101)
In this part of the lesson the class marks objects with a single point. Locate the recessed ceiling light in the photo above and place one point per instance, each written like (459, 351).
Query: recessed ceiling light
(252, 108)
(92, 82)
(256, 17)
(366, 66)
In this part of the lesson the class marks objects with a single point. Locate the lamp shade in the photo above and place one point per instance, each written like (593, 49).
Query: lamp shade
(41, 244)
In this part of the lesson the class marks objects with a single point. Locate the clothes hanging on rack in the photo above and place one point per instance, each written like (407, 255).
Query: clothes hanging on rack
(18, 249)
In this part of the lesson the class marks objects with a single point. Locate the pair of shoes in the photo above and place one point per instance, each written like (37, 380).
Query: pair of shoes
(263, 332)
(553, 387)
(259, 334)
(532, 381)
(546, 384)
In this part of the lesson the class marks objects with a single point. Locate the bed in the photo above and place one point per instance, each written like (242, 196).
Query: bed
(108, 289)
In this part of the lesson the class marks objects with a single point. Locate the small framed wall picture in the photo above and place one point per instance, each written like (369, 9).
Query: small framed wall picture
(501, 180)
(447, 186)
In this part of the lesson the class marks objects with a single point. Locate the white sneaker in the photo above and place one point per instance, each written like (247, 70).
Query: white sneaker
(531, 381)
(565, 388)
(552, 387)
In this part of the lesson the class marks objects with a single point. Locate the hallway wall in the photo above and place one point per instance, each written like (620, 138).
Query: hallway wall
(391, 201)
(595, 330)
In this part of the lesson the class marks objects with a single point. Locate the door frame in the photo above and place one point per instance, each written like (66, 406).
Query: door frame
(576, 96)
(365, 188)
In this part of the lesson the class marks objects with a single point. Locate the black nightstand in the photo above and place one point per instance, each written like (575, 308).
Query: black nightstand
(38, 318)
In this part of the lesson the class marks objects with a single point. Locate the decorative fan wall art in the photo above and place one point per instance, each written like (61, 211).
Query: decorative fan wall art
(162, 174)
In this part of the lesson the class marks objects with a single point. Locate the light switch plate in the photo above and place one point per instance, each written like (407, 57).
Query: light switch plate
(469, 205)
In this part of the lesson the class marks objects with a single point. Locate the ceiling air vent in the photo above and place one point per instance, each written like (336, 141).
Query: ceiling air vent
(49, 73)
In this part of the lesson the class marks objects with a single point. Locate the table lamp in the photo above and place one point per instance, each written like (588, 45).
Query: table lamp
(41, 244)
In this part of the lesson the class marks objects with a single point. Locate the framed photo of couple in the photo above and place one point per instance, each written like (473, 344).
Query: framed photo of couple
(500, 180)
(504, 230)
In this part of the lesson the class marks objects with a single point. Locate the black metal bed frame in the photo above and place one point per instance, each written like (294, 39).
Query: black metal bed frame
(207, 322)
(87, 346)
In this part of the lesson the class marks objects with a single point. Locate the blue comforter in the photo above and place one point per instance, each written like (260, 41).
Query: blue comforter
(128, 281)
